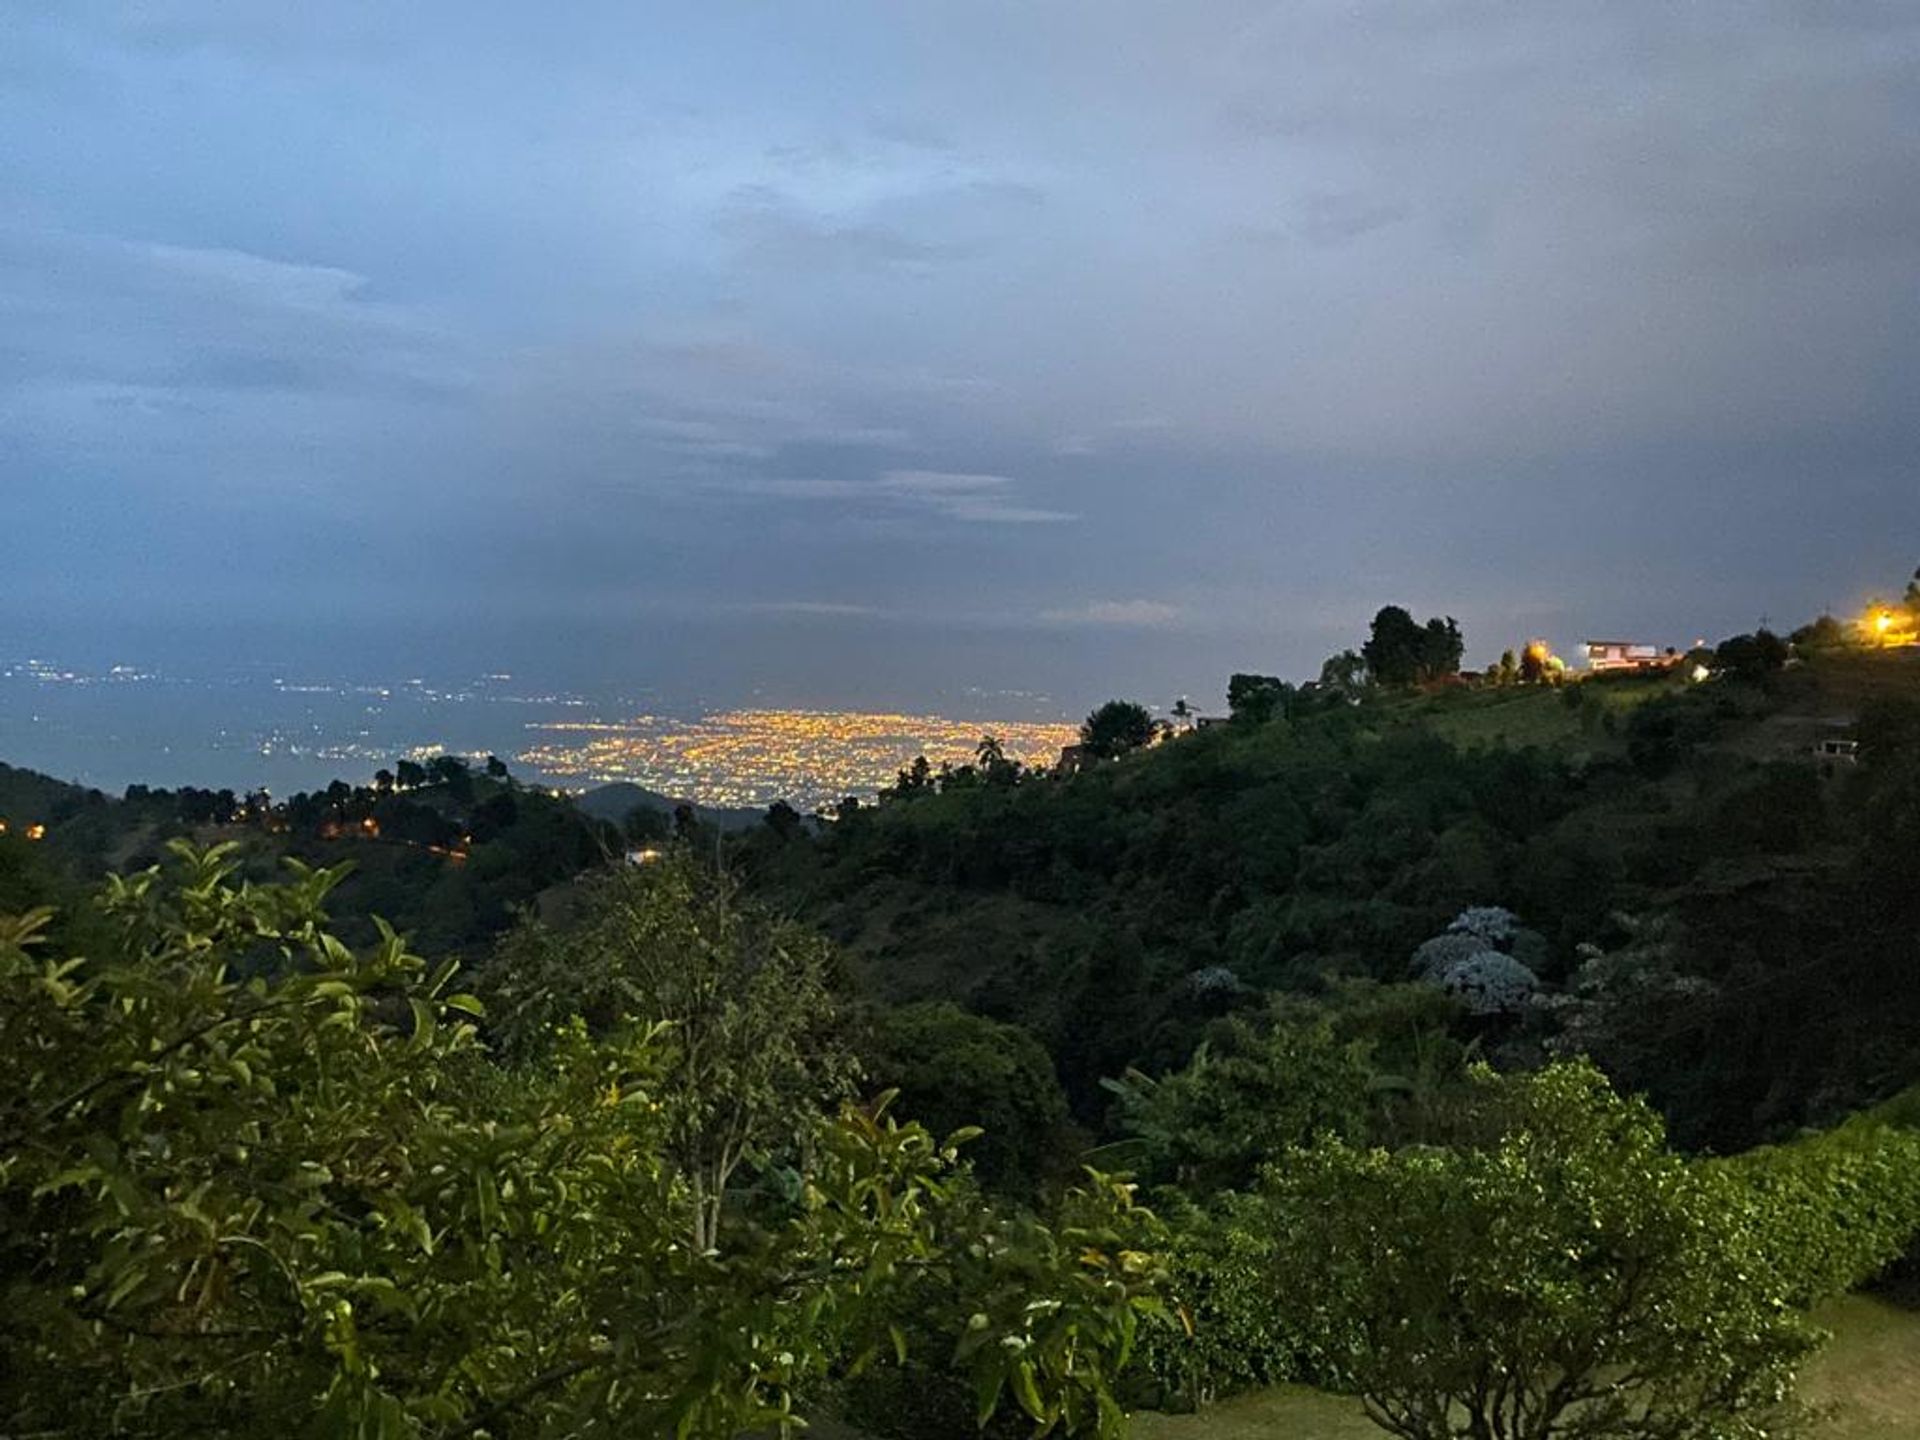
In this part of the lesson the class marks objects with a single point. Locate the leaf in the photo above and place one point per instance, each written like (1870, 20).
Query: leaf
(987, 1385)
(425, 1027)
(1027, 1391)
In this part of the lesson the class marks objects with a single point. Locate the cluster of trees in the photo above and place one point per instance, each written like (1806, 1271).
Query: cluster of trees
(257, 1182)
(1318, 838)
(1401, 651)
(638, 1178)
(1562, 1272)
(447, 850)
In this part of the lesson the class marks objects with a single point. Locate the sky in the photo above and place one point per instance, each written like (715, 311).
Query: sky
(876, 352)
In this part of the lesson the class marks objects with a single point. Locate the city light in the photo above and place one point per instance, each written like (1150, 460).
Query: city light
(750, 758)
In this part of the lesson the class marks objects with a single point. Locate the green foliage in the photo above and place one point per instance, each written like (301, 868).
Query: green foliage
(1231, 1334)
(1751, 657)
(1569, 1276)
(1820, 636)
(1257, 698)
(1117, 727)
(254, 1183)
(1401, 651)
(955, 1069)
(1246, 1097)
(1046, 1317)
(752, 1026)
(1836, 1207)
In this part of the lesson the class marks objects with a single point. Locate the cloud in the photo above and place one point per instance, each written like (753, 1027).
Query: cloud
(757, 305)
(1118, 614)
(952, 495)
(976, 499)
(810, 609)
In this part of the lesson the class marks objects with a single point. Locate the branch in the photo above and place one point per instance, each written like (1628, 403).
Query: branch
(514, 1399)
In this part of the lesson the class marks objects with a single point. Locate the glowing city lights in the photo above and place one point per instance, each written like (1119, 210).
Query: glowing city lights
(809, 758)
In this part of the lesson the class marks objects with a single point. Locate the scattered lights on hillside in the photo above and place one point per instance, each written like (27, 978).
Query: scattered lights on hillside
(808, 758)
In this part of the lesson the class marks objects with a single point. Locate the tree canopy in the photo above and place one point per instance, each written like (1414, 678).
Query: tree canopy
(1401, 651)
(255, 1183)
(1569, 1276)
(1116, 728)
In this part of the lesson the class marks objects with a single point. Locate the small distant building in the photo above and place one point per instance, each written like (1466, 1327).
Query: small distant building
(1073, 759)
(1605, 655)
(1207, 722)
(1841, 752)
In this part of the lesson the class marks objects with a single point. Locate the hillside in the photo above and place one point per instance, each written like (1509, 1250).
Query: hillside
(1119, 911)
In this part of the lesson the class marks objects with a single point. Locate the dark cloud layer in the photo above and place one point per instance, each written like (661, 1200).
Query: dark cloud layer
(1073, 345)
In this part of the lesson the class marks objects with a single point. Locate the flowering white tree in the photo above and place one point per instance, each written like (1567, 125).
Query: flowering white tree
(1490, 983)
(1471, 959)
(1493, 923)
(1440, 954)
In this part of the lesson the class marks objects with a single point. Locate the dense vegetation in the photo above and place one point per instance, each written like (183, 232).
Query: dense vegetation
(255, 1182)
(1727, 926)
(1523, 1056)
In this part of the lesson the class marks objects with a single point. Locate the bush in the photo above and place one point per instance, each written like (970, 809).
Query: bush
(1227, 1334)
(1835, 1209)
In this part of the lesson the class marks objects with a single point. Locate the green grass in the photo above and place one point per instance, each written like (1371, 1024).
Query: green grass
(1533, 715)
(1867, 1382)
(1866, 1386)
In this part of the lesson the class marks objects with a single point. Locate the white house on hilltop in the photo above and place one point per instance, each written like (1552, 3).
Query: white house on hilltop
(1627, 655)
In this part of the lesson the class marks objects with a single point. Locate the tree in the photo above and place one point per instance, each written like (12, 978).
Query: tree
(783, 820)
(496, 768)
(1442, 647)
(1242, 1101)
(1344, 675)
(1751, 657)
(916, 779)
(994, 764)
(953, 1069)
(1509, 670)
(1567, 1277)
(1117, 727)
(306, 1202)
(409, 775)
(1401, 651)
(1257, 698)
(1394, 646)
(1821, 635)
(751, 1025)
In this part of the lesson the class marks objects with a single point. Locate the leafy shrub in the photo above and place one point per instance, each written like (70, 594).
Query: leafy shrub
(1571, 1275)
(1230, 1331)
(1834, 1208)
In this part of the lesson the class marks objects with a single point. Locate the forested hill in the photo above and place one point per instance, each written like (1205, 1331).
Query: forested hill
(1723, 920)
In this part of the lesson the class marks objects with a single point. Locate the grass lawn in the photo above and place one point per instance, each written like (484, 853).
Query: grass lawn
(1523, 715)
(1866, 1383)
(1868, 1379)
